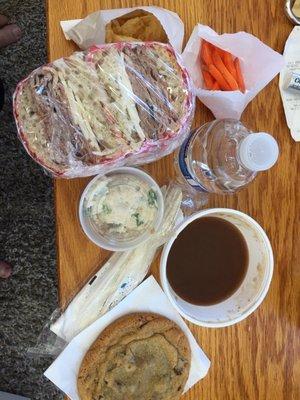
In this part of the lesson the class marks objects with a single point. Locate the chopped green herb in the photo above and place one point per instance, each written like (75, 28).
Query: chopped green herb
(138, 221)
(152, 198)
(106, 209)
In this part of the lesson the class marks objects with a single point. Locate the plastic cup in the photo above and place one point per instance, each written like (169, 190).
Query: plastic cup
(112, 243)
(254, 286)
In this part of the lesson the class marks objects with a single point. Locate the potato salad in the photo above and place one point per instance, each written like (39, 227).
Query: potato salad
(122, 206)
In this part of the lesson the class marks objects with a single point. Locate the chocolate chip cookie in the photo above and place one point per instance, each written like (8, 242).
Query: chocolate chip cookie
(141, 356)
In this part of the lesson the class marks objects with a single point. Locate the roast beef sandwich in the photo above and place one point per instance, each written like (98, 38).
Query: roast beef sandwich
(116, 104)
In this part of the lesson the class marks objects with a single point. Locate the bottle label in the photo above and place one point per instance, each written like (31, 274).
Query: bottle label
(182, 161)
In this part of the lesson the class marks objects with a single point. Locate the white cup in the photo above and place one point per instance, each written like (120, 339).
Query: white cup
(254, 286)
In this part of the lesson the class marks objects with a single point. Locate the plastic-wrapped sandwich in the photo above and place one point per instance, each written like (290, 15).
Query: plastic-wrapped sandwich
(116, 104)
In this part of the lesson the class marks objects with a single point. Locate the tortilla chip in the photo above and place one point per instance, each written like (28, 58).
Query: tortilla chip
(136, 26)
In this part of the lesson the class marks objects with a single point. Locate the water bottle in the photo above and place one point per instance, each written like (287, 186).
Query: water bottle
(222, 156)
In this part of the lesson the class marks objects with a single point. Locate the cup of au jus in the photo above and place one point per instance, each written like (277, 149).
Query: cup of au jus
(217, 267)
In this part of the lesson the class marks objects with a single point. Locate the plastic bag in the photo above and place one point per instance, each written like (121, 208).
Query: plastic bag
(259, 63)
(113, 105)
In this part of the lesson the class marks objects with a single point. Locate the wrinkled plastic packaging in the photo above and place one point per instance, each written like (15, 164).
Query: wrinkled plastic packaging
(113, 105)
(259, 64)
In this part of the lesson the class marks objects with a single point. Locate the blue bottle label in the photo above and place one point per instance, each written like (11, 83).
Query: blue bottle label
(182, 161)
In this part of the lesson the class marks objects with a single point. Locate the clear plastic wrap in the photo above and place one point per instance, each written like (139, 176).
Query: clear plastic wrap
(112, 105)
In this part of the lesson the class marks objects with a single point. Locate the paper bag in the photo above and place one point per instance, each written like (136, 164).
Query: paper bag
(91, 30)
(259, 63)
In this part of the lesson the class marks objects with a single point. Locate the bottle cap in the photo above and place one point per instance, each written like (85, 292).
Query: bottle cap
(258, 151)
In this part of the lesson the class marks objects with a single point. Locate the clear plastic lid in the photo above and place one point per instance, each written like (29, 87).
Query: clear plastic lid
(121, 209)
(258, 151)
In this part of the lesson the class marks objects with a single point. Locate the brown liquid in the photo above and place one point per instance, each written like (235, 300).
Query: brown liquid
(208, 261)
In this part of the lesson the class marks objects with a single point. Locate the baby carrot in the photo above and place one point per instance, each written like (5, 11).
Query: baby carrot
(208, 80)
(218, 77)
(224, 71)
(228, 61)
(220, 52)
(216, 86)
(239, 75)
(206, 53)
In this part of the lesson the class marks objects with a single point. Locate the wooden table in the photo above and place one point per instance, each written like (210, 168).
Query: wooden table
(260, 357)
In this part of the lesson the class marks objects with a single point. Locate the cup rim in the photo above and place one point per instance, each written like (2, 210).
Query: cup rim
(98, 241)
(167, 248)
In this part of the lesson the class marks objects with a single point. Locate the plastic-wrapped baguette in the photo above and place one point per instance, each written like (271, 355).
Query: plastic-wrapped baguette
(117, 277)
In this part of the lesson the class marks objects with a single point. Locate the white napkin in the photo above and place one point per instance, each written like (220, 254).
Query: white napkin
(91, 30)
(147, 297)
(259, 64)
(291, 99)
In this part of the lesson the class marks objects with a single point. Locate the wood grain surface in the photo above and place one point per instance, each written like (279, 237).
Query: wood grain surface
(258, 359)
